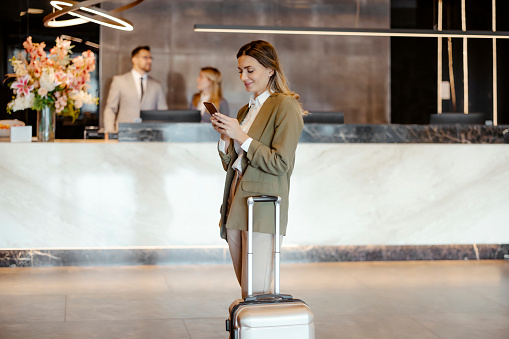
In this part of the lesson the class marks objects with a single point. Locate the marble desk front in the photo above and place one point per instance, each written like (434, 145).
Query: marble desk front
(128, 195)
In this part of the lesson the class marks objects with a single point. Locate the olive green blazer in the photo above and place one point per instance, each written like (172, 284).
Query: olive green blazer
(275, 131)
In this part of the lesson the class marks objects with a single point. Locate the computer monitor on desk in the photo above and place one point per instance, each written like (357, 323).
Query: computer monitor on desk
(170, 116)
(457, 118)
(324, 118)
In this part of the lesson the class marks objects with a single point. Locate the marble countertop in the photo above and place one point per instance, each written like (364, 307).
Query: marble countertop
(75, 141)
(327, 133)
(315, 133)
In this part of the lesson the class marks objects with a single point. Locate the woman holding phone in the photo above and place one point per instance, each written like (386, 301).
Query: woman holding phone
(257, 150)
(209, 86)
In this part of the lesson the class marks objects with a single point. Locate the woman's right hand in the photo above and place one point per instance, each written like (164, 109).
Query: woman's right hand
(215, 125)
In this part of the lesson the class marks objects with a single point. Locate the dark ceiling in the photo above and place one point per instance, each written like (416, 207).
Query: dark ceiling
(15, 28)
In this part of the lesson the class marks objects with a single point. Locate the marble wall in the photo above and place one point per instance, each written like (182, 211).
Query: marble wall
(347, 74)
(167, 195)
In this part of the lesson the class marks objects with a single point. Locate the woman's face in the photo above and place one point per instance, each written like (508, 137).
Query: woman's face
(254, 75)
(202, 82)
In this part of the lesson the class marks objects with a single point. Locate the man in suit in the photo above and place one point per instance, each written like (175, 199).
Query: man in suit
(133, 91)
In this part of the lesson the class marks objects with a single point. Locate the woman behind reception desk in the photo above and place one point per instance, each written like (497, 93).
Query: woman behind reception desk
(209, 86)
(258, 155)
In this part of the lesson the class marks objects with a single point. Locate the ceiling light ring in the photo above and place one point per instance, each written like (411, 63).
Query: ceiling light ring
(73, 7)
(101, 16)
(111, 21)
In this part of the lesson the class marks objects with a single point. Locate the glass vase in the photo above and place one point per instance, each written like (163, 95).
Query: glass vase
(46, 121)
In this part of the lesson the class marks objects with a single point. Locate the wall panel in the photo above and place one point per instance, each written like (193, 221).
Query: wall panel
(348, 74)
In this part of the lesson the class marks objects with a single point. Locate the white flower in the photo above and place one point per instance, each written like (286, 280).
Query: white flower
(47, 80)
(80, 98)
(22, 102)
(19, 67)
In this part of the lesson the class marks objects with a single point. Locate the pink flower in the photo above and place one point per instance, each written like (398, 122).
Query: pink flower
(89, 57)
(54, 75)
(61, 49)
(21, 86)
(60, 77)
(28, 45)
(62, 43)
(36, 51)
(61, 102)
(78, 61)
(88, 54)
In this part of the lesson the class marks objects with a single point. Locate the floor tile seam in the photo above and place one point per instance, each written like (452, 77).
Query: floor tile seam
(128, 293)
(65, 309)
(490, 299)
(32, 322)
(388, 314)
(393, 312)
(202, 318)
(187, 329)
(94, 321)
(361, 314)
(129, 319)
(326, 288)
(166, 280)
(424, 288)
(34, 295)
(453, 313)
(434, 286)
(426, 327)
(73, 293)
(364, 312)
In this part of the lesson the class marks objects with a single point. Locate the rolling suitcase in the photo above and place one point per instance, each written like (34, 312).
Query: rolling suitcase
(268, 316)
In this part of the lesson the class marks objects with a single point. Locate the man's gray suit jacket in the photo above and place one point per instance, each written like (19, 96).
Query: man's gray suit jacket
(123, 104)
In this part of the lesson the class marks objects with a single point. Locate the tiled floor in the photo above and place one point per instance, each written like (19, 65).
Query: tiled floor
(440, 299)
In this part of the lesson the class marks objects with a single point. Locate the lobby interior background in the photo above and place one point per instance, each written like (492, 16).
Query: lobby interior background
(412, 93)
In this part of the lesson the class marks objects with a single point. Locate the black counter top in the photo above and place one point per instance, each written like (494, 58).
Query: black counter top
(328, 133)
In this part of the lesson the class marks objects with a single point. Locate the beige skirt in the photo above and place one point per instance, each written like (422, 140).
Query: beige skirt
(233, 189)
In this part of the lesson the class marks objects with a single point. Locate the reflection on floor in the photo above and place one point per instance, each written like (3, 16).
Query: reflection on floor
(439, 299)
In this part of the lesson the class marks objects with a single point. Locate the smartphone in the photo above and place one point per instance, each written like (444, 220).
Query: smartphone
(211, 107)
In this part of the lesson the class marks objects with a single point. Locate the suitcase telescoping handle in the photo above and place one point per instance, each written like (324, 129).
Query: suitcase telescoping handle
(250, 205)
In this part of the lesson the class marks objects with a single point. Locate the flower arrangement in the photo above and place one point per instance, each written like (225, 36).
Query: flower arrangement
(55, 80)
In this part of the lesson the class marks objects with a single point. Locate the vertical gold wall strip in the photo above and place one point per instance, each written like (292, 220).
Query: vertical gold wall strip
(465, 74)
(451, 74)
(439, 60)
(495, 87)
(465, 58)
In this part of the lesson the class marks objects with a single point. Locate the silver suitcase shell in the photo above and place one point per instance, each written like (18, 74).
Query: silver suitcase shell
(272, 315)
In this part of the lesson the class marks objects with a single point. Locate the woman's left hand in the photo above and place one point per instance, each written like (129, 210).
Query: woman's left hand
(228, 126)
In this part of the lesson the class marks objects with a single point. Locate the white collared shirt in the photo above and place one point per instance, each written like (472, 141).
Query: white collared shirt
(255, 104)
(137, 76)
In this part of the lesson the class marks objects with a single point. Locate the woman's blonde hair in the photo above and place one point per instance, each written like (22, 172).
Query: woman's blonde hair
(266, 55)
(216, 92)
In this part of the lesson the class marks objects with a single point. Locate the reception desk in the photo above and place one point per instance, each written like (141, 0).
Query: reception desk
(158, 202)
